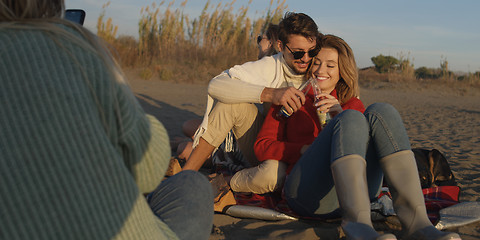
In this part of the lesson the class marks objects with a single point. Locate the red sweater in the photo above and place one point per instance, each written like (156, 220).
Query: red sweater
(282, 139)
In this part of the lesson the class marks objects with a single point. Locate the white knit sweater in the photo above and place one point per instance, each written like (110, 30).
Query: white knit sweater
(245, 83)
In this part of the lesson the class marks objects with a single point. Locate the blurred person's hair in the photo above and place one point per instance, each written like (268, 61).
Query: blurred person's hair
(272, 36)
(24, 10)
(47, 16)
(299, 24)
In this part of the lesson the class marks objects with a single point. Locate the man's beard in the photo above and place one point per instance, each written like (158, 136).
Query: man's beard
(298, 70)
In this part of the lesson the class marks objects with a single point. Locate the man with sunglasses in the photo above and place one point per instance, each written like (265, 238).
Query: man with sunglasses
(272, 79)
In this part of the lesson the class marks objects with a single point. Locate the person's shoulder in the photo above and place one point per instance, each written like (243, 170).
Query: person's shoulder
(264, 64)
(353, 100)
(18, 31)
(277, 58)
(70, 29)
(79, 32)
(267, 60)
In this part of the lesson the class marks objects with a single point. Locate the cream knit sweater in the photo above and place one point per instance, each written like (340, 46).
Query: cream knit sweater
(77, 152)
(245, 83)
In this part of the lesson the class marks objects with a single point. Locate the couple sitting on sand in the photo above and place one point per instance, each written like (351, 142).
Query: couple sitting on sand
(326, 170)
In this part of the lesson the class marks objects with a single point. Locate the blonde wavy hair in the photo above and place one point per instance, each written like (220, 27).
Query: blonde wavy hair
(47, 16)
(347, 87)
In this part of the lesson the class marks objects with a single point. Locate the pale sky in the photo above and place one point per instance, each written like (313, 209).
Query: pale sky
(427, 30)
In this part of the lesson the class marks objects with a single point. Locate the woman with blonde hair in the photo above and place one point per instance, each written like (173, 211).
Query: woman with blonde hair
(77, 152)
(336, 169)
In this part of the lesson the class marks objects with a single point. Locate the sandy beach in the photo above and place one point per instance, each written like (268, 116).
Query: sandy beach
(435, 117)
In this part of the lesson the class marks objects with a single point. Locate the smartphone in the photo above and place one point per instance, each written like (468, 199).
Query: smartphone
(75, 15)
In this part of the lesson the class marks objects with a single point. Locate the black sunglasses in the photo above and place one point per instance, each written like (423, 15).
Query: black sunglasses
(259, 39)
(299, 54)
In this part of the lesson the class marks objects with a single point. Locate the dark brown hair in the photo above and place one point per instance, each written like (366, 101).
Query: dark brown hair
(297, 23)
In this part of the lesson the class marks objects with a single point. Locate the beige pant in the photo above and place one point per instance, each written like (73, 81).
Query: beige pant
(243, 118)
(266, 177)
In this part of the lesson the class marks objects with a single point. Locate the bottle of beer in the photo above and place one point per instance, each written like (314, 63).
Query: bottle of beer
(324, 117)
(283, 113)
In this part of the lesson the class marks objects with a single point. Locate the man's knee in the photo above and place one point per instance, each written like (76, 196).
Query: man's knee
(266, 177)
(235, 111)
(225, 117)
(383, 109)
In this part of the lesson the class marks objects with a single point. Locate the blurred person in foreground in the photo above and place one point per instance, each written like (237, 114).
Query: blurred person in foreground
(77, 152)
(338, 168)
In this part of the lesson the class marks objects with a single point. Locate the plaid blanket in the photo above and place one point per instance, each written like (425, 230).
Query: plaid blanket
(436, 198)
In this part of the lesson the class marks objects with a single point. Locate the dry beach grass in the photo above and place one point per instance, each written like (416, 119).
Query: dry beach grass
(443, 116)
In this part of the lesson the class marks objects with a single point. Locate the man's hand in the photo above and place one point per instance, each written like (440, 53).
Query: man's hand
(291, 98)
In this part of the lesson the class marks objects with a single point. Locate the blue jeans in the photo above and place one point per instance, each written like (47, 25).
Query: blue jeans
(379, 132)
(184, 202)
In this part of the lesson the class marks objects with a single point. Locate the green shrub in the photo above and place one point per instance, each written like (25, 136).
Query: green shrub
(385, 64)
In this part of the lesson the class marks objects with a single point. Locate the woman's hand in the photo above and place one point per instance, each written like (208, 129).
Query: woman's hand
(329, 104)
